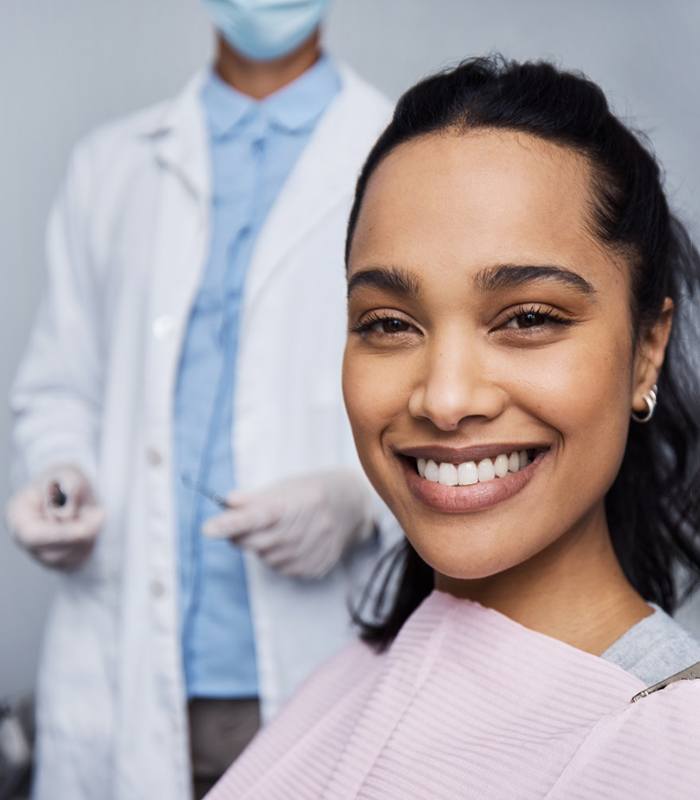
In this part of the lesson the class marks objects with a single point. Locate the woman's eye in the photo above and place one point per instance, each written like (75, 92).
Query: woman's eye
(390, 326)
(529, 319)
(385, 326)
(532, 318)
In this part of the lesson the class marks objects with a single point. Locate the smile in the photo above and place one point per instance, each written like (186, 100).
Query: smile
(469, 472)
(469, 479)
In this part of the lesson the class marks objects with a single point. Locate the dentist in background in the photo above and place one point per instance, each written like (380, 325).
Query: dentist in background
(187, 356)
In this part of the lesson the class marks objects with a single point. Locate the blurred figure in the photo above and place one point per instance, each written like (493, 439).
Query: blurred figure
(184, 371)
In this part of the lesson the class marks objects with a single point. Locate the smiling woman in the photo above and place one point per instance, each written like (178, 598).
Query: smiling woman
(516, 309)
(513, 275)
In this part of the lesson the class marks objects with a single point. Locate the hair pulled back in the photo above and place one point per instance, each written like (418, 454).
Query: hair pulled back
(652, 508)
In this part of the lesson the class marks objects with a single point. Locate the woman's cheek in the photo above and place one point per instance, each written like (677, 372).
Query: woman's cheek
(375, 388)
(580, 390)
(372, 385)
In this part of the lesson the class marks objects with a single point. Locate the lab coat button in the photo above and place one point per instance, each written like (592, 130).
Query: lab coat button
(155, 459)
(163, 326)
(157, 589)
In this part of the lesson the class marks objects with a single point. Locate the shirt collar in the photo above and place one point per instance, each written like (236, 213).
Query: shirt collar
(225, 106)
(294, 107)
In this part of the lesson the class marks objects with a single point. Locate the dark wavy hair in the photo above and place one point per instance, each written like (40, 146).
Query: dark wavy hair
(652, 508)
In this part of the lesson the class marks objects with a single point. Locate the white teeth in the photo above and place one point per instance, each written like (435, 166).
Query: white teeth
(500, 466)
(447, 475)
(467, 473)
(470, 472)
(486, 469)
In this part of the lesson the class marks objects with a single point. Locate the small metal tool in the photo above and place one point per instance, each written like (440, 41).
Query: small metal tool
(57, 497)
(57, 502)
(688, 674)
(195, 486)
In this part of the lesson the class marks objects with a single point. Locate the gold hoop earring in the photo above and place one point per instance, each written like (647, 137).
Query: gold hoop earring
(650, 398)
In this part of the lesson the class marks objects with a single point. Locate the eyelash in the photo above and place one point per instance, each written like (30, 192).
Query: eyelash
(550, 315)
(365, 328)
(547, 313)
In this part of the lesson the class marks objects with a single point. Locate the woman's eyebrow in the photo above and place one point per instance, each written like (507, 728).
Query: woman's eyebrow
(507, 276)
(392, 279)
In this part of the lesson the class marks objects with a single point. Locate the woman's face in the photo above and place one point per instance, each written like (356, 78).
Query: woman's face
(489, 371)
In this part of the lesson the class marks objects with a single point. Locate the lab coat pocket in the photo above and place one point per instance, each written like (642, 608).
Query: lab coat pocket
(75, 685)
(69, 769)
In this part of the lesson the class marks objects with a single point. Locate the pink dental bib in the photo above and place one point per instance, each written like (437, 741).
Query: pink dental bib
(469, 704)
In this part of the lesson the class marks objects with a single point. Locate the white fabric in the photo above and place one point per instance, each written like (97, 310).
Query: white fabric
(126, 244)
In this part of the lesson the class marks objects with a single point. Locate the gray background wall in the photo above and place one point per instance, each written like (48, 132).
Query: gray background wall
(66, 66)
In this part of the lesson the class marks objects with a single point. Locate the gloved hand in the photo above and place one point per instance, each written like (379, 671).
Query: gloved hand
(56, 517)
(300, 526)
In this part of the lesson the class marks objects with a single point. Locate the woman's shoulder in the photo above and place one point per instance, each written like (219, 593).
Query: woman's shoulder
(650, 745)
(649, 749)
(654, 648)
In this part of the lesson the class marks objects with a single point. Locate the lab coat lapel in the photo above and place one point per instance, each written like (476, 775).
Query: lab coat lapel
(321, 178)
(179, 140)
(180, 150)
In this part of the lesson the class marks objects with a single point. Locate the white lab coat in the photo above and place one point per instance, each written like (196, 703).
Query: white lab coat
(126, 244)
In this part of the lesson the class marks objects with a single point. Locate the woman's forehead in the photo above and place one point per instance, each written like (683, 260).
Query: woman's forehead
(478, 199)
(482, 190)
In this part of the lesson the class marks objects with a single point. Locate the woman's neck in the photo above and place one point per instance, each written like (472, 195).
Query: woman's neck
(574, 591)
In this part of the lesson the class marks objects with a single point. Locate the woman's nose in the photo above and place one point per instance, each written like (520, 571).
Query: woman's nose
(455, 386)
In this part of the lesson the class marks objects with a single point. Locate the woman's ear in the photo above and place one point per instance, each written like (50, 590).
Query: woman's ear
(651, 351)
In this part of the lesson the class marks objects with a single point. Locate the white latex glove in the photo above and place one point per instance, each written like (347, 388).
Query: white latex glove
(56, 517)
(301, 526)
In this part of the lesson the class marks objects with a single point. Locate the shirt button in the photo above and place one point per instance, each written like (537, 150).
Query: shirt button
(163, 326)
(153, 456)
(157, 589)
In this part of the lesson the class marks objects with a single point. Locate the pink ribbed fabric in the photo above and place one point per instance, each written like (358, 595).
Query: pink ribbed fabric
(469, 704)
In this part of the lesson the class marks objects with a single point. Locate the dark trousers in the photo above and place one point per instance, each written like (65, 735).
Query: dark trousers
(219, 732)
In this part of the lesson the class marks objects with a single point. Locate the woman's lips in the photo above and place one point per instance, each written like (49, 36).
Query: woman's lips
(465, 499)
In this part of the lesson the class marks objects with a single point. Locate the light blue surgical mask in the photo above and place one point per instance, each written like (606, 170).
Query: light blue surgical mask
(265, 29)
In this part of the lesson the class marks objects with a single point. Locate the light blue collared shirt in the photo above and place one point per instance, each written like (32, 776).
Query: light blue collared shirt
(253, 148)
